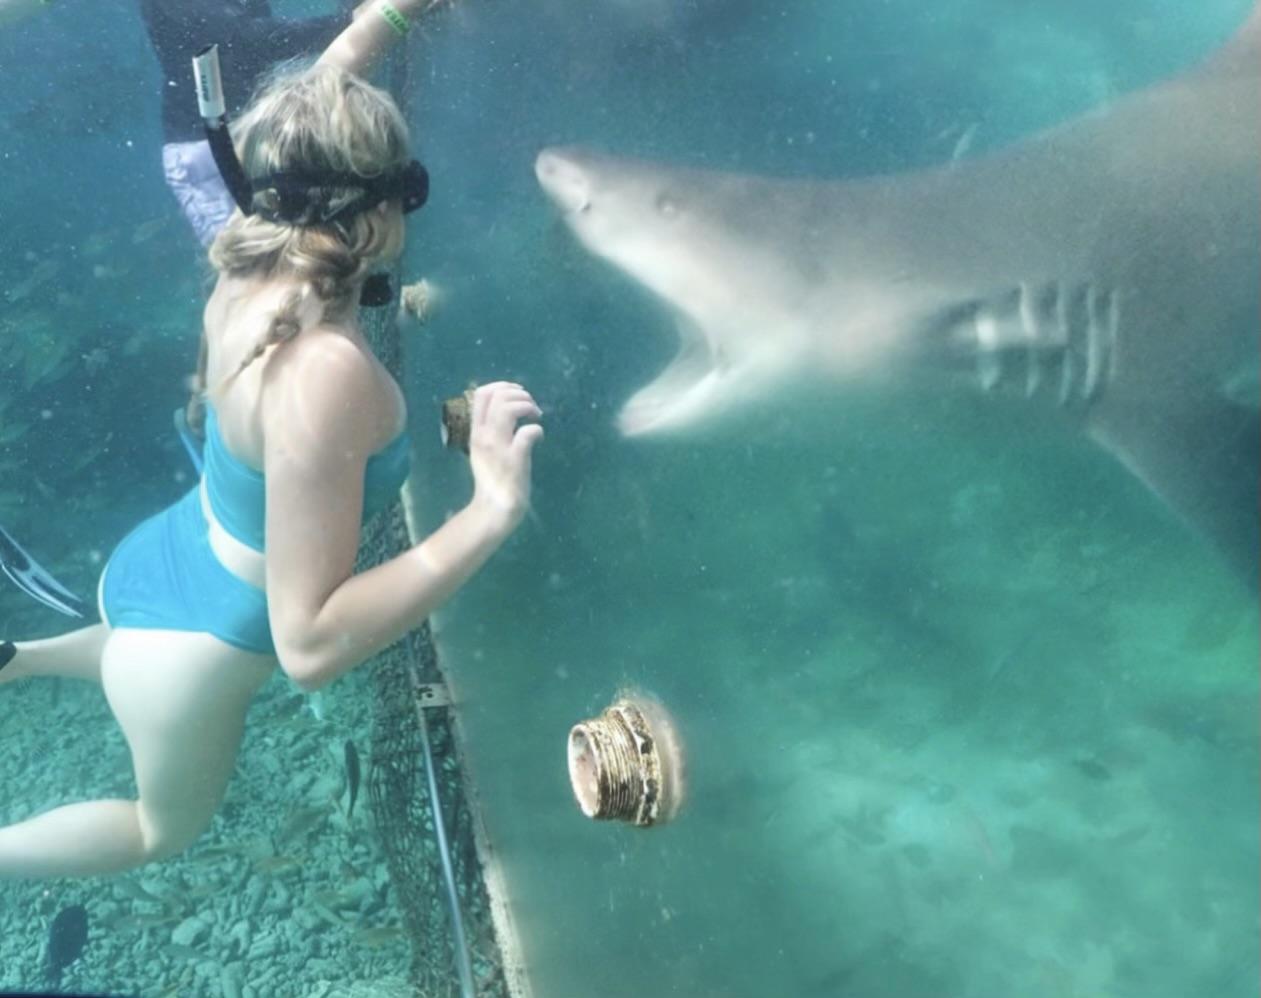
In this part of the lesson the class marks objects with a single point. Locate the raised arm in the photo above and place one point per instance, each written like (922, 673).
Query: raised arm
(325, 620)
(377, 25)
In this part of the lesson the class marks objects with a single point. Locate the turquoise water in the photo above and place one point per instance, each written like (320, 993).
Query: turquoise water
(966, 711)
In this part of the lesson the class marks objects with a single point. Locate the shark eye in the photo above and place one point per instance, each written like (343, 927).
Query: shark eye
(666, 206)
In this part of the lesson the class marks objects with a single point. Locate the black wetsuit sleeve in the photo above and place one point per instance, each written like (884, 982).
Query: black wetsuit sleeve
(278, 39)
(250, 40)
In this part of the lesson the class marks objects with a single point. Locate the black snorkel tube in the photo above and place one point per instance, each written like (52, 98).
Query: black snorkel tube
(214, 115)
(291, 198)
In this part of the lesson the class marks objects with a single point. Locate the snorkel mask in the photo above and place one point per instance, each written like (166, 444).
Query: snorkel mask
(301, 197)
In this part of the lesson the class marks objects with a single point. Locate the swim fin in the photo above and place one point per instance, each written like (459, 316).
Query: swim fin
(33, 580)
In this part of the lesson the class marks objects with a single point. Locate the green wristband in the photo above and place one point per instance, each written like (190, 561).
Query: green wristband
(397, 21)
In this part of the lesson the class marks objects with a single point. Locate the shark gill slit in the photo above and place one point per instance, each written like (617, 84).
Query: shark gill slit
(1057, 337)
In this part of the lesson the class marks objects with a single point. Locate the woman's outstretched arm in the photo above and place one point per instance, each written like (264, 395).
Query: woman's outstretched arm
(376, 26)
(324, 417)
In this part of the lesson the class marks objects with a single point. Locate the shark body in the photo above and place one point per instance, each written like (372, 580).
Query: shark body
(1110, 265)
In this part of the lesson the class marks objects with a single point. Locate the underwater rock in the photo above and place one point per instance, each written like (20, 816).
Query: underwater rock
(232, 980)
(264, 946)
(190, 931)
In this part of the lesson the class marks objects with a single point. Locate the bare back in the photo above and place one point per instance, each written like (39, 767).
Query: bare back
(236, 319)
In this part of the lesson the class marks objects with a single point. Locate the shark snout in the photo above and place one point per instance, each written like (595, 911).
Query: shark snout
(563, 180)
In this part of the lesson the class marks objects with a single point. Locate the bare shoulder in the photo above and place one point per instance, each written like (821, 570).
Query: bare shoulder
(327, 388)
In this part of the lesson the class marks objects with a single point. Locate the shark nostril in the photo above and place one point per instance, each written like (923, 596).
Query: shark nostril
(565, 182)
(546, 166)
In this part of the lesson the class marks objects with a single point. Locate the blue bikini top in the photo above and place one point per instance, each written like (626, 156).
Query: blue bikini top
(237, 492)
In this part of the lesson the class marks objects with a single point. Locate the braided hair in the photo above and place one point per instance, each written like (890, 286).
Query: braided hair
(319, 118)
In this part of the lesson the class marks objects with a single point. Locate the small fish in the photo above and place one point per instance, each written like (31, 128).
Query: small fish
(140, 923)
(328, 916)
(277, 865)
(137, 892)
(299, 823)
(66, 938)
(146, 231)
(352, 776)
(1093, 768)
(178, 951)
(375, 937)
(219, 851)
(330, 898)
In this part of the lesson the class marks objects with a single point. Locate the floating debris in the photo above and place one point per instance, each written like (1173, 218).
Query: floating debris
(418, 300)
(66, 938)
(95, 360)
(352, 776)
(964, 144)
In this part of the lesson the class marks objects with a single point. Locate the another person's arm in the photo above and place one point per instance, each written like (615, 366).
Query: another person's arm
(268, 39)
(322, 421)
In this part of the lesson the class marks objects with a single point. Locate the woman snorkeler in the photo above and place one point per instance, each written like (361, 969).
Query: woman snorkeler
(304, 438)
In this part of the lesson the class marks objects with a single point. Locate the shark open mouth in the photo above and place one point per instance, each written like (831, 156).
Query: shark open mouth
(679, 393)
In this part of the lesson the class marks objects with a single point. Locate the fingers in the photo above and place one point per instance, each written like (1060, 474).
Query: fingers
(501, 447)
(509, 414)
(499, 406)
(523, 441)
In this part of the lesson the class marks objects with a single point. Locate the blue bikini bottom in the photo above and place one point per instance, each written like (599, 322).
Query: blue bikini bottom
(165, 576)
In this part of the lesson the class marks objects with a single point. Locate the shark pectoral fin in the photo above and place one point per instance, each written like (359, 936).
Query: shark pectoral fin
(1200, 455)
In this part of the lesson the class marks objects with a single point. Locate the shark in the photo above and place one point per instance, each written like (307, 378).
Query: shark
(1107, 269)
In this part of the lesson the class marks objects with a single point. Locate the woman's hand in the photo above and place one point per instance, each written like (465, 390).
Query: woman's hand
(500, 452)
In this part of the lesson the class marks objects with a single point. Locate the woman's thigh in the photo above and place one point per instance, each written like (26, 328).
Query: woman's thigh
(181, 700)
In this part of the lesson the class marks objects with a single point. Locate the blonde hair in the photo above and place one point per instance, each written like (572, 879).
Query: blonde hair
(323, 119)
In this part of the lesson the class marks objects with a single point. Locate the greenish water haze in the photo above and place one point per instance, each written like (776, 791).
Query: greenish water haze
(966, 712)
(1002, 738)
